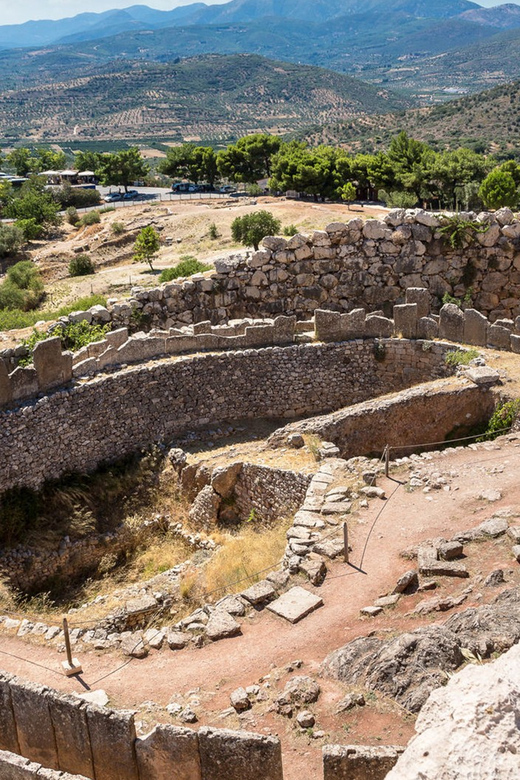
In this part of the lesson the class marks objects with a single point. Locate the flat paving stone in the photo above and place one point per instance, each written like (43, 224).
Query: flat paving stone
(261, 591)
(296, 604)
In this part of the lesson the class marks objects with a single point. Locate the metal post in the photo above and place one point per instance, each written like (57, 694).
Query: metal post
(71, 666)
(345, 542)
(387, 460)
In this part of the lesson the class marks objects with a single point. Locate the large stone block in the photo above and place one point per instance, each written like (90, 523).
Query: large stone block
(69, 719)
(24, 383)
(8, 735)
(112, 740)
(13, 767)
(498, 337)
(421, 297)
(358, 762)
(33, 722)
(284, 329)
(405, 320)
(6, 395)
(53, 368)
(427, 328)
(475, 328)
(169, 752)
(378, 327)
(353, 324)
(327, 325)
(236, 755)
(259, 336)
(451, 324)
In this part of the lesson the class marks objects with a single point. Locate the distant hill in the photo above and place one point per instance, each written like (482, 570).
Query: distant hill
(211, 98)
(505, 16)
(488, 121)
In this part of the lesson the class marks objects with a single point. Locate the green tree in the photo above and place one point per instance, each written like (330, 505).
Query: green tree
(122, 168)
(49, 160)
(499, 189)
(34, 202)
(21, 161)
(87, 161)
(250, 159)
(252, 228)
(146, 246)
(195, 163)
(348, 193)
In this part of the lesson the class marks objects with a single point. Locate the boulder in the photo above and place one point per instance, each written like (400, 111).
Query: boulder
(221, 625)
(240, 700)
(223, 479)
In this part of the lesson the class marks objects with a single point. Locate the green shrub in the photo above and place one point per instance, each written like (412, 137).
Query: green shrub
(74, 336)
(11, 319)
(213, 231)
(90, 218)
(460, 302)
(11, 239)
(460, 357)
(254, 190)
(23, 288)
(77, 197)
(252, 228)
(72, 215)
(502, 419)
(398, 199)
(81, 265)
(107, 209)
(290, 230)
(118, 228)
(187, 267)
(31, 230)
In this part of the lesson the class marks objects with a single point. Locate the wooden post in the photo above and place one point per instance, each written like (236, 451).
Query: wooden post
(71, 666)
(345, 542)
(387, 460)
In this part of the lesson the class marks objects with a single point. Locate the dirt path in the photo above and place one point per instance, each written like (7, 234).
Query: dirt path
(268, 643)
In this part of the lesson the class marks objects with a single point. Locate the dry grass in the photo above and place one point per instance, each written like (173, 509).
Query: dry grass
(239, 562)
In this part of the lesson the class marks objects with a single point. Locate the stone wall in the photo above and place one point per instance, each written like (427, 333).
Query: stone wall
(409, 418)
(76, 428)
(358, 264)
(358, 762)
(63, 733)
(269, 493)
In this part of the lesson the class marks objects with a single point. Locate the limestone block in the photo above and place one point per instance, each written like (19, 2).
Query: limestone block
(327, 325)
(204, 510)
(115, 338)
(359, 762)
(24, 383)
(378, 327)
(405, 320)
(395, 217)
(112, 738)
(426, 218)
(202, 327)
(427, 328)
(100, 313)
(224, 478)
(490, 237)
(13, 767)
(141, 347)
(237, 755)
(296, 604)
(80, 316)
(511, 231)
(175, 345)
(504, 216)
(69, 720)
(284, 329)
(8, 734)
(421, 297)
(221, 625)
(451, 324)
(376, 229)
(169, 752)
(472, 722)
(514, 342)
(475, 328)
(498, 337)
(353, 324)
(85, 367)
(259, 336)
(33, 722)
(5, 385)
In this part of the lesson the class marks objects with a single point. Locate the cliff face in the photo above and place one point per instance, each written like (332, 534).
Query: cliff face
(469, 730)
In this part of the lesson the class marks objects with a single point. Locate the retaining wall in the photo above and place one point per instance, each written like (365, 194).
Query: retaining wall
(62, 733)
(421, 414)
(79, 427)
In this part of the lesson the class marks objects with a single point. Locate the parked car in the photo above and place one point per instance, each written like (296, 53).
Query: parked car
(112, 197)
(131, 195)
(227, 188)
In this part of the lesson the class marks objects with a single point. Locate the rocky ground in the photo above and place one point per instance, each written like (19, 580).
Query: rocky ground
(459, 605)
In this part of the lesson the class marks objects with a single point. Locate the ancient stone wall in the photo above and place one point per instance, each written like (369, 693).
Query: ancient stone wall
(359, 264)
(79, 740)
(269, 493)
(83, 425)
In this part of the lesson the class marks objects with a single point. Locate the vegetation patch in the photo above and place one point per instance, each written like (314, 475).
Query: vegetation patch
(188, 266)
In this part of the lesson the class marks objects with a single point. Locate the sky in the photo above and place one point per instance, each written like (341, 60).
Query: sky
(15, 13)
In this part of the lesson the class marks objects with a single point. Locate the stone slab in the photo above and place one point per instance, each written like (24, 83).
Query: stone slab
(69, 720)
(259, 592)
(239, 755)
(169, 752)
(33, 723)
(112, 738)
(296, 604)
(8, 735)
(358, 762)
